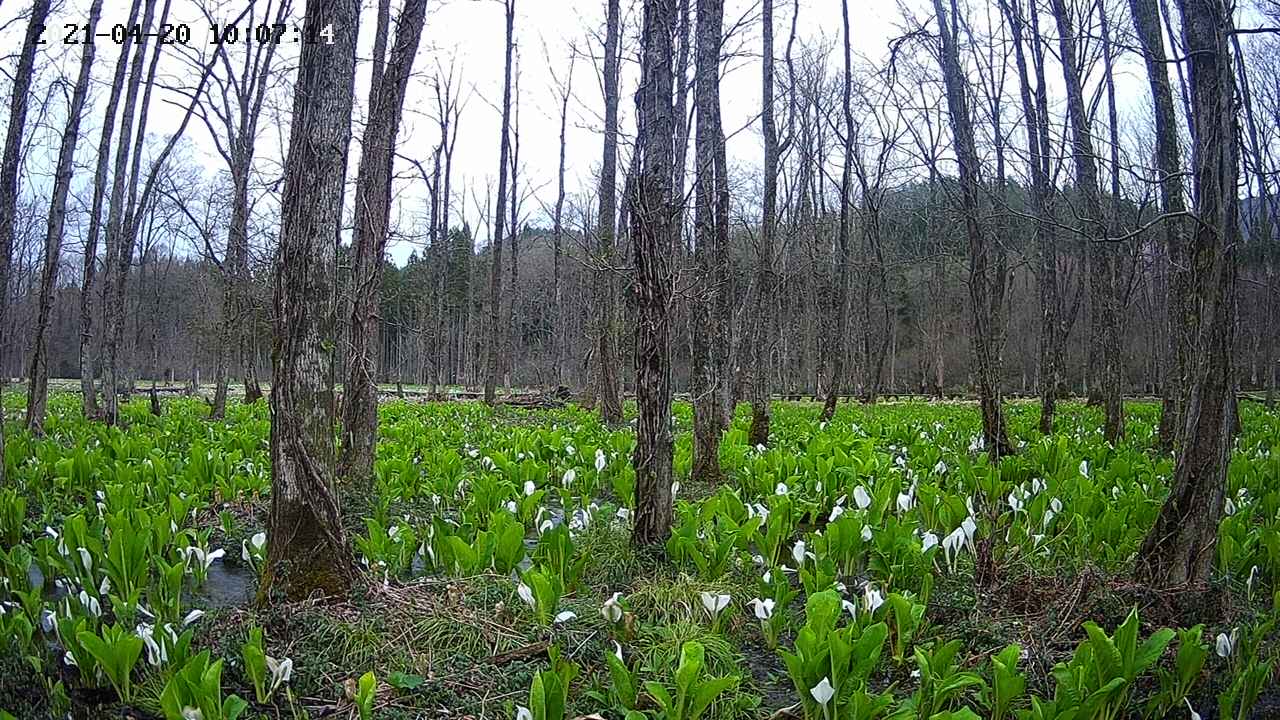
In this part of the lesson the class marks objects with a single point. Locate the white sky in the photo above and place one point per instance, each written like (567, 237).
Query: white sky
(469, 33)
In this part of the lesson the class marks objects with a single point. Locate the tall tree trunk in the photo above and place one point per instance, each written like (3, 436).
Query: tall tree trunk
(558, 332)
(1116, 278)
(765, 309)
(1046, 260)
(115, 268)
(373, 213)
(448, 109)
(250, 96)
(38, 378)
(840, 343)
(1102, 255)
(9, 174)
(1179, 549)
(608, 387)
(1261, 226)
(711, 240)
(89, 398)
(511, 334)
(653, 234)
(994, 431)
(307, 548)
(495, 334)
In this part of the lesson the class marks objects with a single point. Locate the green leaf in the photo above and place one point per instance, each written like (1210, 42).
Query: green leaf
(1151, 650)
(659, 694)
(707, 693)
(405, 681)
(233, 707)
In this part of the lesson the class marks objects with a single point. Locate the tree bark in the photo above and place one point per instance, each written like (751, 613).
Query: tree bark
(494, 340)
(652, 234)
(1179, 549)
(558, 334)
(115, 269)
(765, 310)
(841, 351)
(307, 549)
(1102, 255)
(1261, 229)
(994, 430)
(510, 336)
(89, 398)
(38, 377)
(241, 107)
(711, 235)
(9, 173)
(1046, 260)
(373, 213)
(1117, 277)
(608, 387)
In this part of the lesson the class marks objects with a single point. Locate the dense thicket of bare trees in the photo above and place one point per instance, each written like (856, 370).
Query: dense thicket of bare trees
(899, 328)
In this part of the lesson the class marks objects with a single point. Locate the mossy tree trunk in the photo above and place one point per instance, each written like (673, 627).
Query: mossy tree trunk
(1179, 549)
(307, 550)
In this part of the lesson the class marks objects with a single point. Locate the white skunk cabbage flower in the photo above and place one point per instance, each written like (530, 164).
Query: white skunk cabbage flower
(823, 692)
(861, 498)
(526, 594)
(281, 671)
(763, 608)
(714, 604)
(611, 611)
(872, 598)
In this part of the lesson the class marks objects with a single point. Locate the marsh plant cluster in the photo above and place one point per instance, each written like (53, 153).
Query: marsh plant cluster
(878, 565)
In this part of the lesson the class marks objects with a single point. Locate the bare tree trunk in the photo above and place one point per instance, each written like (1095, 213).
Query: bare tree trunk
(89, 398)
(373, 212)
(494, 339)
(1179, 549)
(509, 346)
(250, 93)
(842, 273)
(1117, 279)
(448, 109)
(307, 548)
(558, 334)
(115, 268)
(711, 240)
(1102, 270)
(38, 378)
(9, 173)
(607, 386)
(1261, 227)
(765, 310)
(218, 407)
(995, 434)
(652, 234)
(1046, 261)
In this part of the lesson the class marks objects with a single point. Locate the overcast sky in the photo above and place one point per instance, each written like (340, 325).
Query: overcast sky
(469, 35)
